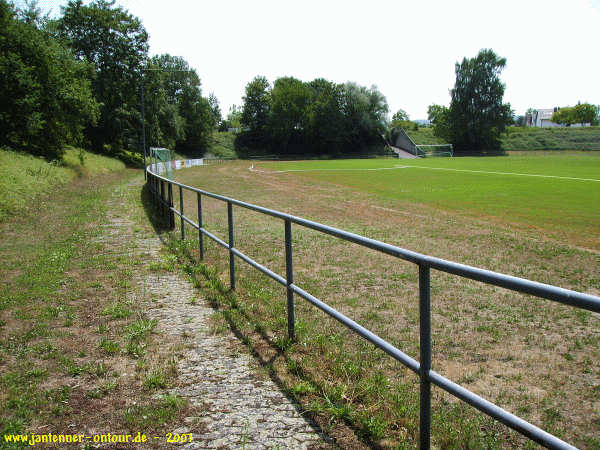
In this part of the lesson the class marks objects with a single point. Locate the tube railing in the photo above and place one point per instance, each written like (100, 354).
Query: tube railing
(424, 262)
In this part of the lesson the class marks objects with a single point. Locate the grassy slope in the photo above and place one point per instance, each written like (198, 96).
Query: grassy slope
(560, 207)
(23, 177)
(518, 138)
(77, 352)
(587, 138)
(533, 357)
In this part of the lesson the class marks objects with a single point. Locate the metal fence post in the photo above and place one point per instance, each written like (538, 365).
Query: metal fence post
(425, 350)
(161, 205)
(200, 234)
(181, 212)
(164, 200)
(289, 277)
(231, 260)
(171, 205)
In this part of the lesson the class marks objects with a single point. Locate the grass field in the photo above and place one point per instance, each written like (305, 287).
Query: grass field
(557, 193)
(535, 358)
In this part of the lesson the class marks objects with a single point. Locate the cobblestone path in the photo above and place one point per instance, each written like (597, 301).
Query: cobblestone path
(241, 406)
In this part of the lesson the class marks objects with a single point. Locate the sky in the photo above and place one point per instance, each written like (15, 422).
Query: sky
(408, 49)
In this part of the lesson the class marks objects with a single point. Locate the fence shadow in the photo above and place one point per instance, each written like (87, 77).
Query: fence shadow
(225, 301)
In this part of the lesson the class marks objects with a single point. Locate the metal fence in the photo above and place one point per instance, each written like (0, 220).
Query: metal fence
(162, 192)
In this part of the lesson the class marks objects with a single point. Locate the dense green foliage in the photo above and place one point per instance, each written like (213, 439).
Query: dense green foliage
(78, 80)
(581, 113)
(222, 145)
(476, 117)
(177, 116)
(116, 44)
(45, 95)
(317, 117)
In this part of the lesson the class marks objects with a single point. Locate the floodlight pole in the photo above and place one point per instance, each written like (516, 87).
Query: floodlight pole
(143, 127)
(143, 111)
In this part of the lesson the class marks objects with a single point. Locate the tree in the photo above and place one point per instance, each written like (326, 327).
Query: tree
(400, 115)
(565, 116)
(519, 121)
(438, 115)
(177, 116)
(257, 103)
(45, 94)
(477, 116)
(324, 127)
(234, 117)
(581, 113)
(290, 98)
(311, 117)
(365, 113)
(214, 108)
(400, 120)
(116, 43)
(585, 113)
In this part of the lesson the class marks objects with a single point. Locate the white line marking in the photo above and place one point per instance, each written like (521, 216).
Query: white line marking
(505, 173)
(252, 169)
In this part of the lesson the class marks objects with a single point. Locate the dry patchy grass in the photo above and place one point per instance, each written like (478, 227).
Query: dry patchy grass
(537, 359)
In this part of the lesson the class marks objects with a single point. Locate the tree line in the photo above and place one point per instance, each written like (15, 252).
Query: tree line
(319, 117)
(78, 80)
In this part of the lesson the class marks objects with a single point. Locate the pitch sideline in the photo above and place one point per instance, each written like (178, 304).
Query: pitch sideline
(252, 169)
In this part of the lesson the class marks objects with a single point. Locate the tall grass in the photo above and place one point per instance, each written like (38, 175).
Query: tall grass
(518, 138)
(23, 177)
(521, 138)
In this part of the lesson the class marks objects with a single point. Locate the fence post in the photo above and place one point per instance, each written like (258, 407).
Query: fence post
(231, 260)
(164, 200)
(289, 277)
(161, 205)
(171, 206)
(200, 234)
(425, 350)
(181, 212)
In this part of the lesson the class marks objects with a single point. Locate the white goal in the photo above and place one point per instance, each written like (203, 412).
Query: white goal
(426, 150)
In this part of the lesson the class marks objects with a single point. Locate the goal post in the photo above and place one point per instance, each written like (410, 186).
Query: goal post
(429, 150)
(162, 159)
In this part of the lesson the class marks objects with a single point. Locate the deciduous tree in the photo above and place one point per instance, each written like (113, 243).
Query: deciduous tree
(45, 94)
(477, 116)
(116, 43)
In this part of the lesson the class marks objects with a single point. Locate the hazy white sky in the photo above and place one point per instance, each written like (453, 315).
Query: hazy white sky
(406, 48)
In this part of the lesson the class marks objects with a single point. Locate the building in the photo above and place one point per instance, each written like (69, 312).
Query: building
(541, 118)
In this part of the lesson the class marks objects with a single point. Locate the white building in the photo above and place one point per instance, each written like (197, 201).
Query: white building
(541, 118)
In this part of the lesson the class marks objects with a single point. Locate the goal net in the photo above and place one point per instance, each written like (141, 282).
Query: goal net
(425, 151)
(162, 161)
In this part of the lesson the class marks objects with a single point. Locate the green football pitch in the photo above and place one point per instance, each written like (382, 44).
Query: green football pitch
(558, 193)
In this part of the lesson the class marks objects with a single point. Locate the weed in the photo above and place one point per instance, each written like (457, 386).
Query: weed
(110, 347)
(117, 311)
(155, 379)
(154, 414)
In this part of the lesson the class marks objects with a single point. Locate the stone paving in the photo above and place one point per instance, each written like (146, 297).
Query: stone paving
(241, 407)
